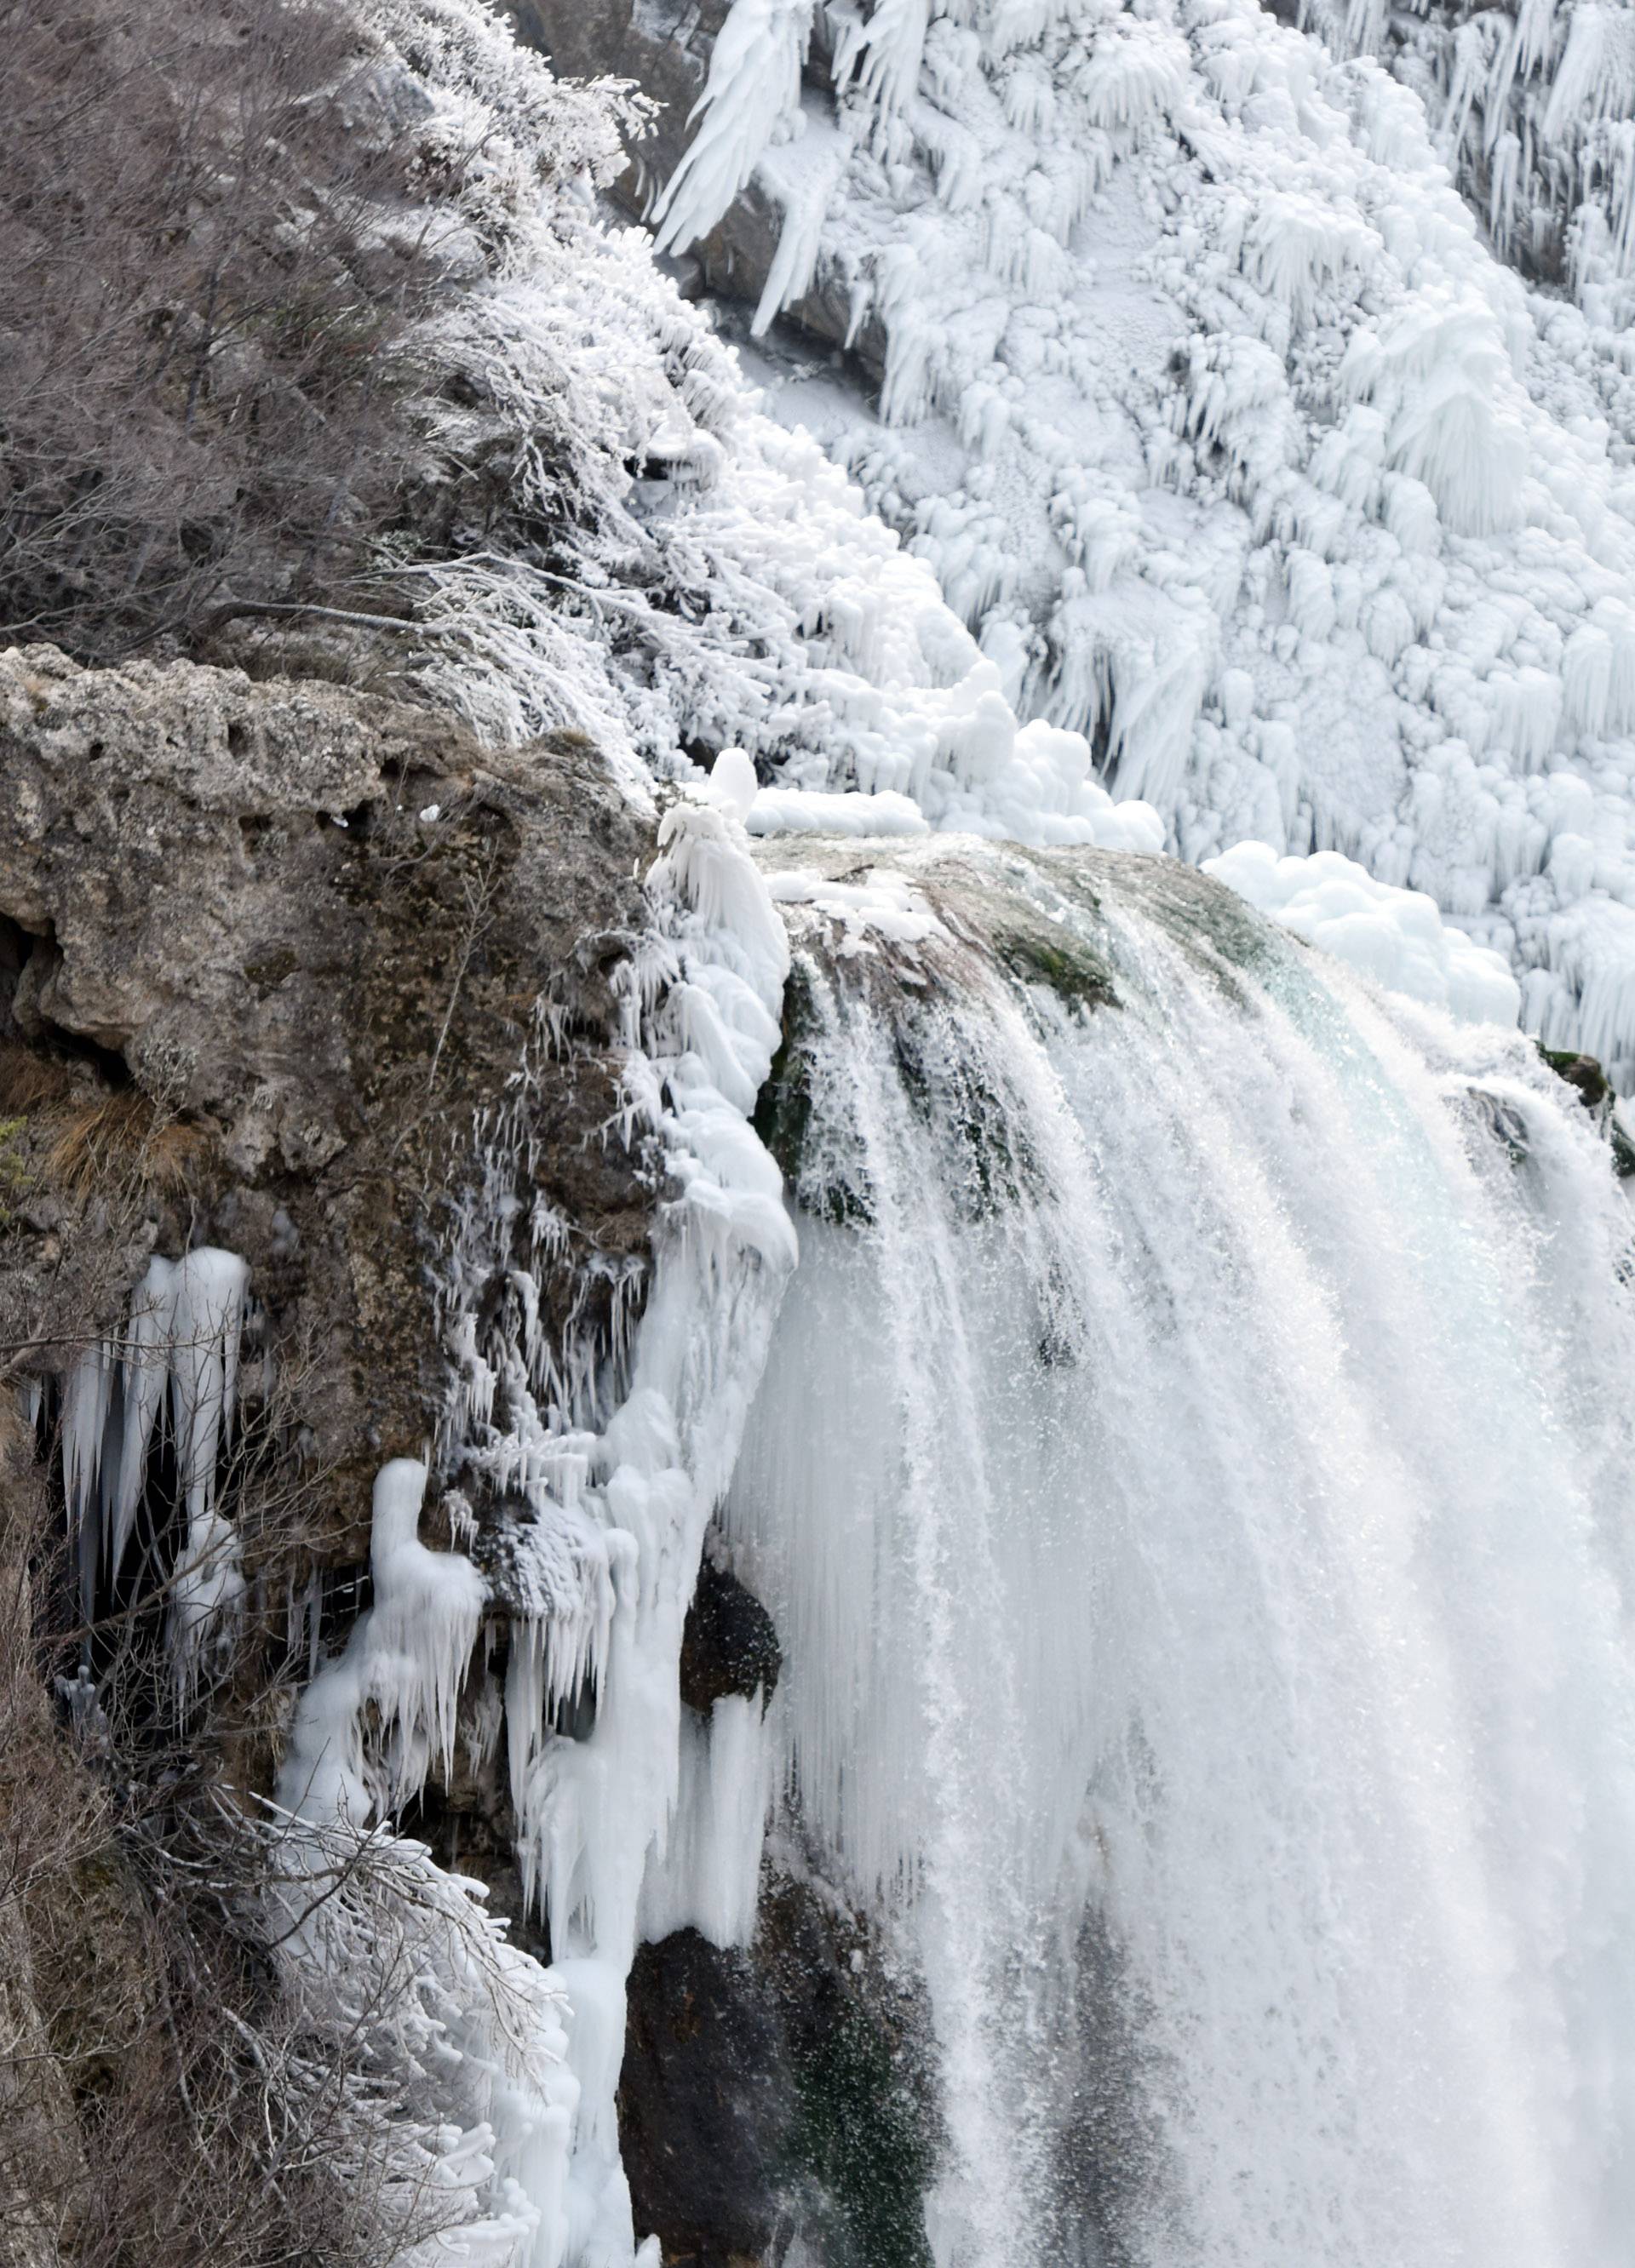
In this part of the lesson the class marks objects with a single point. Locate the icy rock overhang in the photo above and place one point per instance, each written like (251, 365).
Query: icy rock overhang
(947, 909)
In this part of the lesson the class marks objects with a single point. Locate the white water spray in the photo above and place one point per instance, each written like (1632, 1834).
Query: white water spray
(1192, 1484)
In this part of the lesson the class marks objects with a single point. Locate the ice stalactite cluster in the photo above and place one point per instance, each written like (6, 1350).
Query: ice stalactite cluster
(1276, 506)
(371, 1726)
(606, 1465)
(1238, 449)
(171, 1372)
(1190, 1481)
(597, 1813)
(1534, 111)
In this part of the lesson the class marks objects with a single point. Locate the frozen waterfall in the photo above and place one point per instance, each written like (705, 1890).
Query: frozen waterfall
(1191, 1480)
(1167, 341)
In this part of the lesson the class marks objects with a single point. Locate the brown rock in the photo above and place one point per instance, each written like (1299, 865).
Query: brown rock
(268, 999)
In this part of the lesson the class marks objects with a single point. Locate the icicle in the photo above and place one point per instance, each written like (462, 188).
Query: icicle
(753, 88)
(183, 1338)
(403, 1668)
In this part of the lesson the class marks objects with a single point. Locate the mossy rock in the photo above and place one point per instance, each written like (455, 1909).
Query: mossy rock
(1062, 963)
(779, 2091)
(1585, 1074)
(783, 1112)
(1581, 1072)
(990, 1166)
(784, 1115)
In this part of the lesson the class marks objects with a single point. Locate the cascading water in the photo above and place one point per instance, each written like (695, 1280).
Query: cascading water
(1191, 1478)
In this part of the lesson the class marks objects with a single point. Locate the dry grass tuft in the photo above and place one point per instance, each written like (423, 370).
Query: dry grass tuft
(29, 1081)
(123, 1136)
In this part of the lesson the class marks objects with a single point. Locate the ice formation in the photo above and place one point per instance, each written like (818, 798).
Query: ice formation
(481, 2025)
(369, 1726)
(177, 1358)
(1396, 937)
(1190, 1481)
(1535, 113)
(597, 1813)
(730, 590)
(1229, 437)
(603, 1555)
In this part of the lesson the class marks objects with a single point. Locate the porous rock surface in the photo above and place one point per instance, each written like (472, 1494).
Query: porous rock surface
(267, 951)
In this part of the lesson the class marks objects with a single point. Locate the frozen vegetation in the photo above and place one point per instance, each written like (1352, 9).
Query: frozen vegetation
(738, 591)
(726, 584)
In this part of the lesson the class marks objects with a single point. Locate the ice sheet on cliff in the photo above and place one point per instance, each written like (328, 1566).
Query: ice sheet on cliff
(1227, 435)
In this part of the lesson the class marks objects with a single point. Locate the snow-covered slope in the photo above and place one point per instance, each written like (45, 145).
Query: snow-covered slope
(673, 570)
(1227, 432)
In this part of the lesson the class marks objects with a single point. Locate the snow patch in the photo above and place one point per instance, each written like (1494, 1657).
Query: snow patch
(1396, 937)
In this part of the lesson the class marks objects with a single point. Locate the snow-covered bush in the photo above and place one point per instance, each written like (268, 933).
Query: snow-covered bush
(228, 2039)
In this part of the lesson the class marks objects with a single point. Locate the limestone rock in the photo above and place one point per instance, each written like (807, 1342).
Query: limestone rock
(266, 952)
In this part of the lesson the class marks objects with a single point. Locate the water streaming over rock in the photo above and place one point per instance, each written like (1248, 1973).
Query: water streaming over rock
(1191, 1479)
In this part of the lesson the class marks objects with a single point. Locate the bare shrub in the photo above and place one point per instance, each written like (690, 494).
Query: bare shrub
(207, 262)
(117, 1136)
(214, 2020)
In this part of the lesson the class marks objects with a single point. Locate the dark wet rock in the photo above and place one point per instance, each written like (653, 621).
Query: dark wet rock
(665, 46)
(730, 1643)
(1595, 1091)
(1580, 1071)
(778, 2092)
(1497, 1120)
(706, 2104)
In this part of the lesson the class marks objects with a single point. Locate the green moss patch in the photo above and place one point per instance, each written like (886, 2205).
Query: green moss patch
(1063, 962)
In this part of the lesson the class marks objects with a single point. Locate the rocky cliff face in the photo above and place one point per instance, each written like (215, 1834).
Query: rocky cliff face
(272, 957)
(266, 954)
(275, 959)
